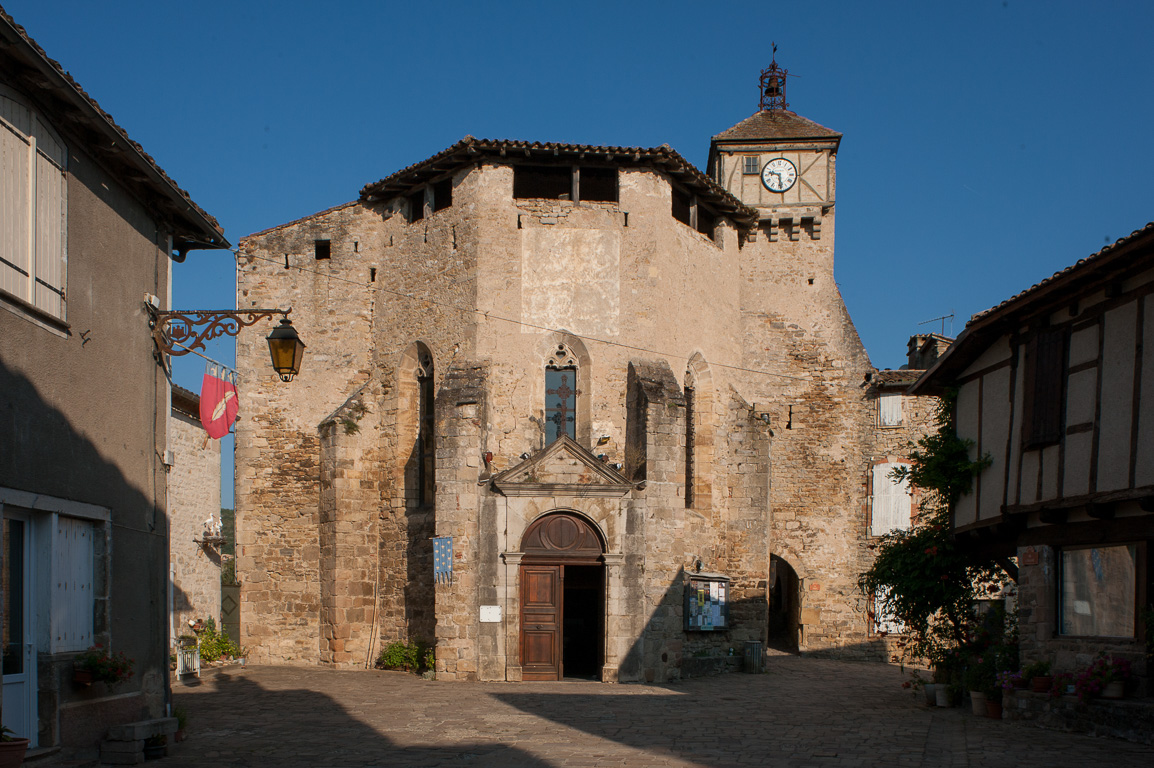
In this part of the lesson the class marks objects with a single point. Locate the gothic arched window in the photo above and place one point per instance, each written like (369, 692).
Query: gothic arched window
(561, 389)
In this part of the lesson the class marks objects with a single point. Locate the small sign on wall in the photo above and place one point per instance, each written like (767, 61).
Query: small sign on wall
(490, 614)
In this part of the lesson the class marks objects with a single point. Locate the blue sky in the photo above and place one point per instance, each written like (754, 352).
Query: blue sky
(986, 144)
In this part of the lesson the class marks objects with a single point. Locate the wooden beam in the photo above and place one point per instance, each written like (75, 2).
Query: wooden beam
(1053, 516)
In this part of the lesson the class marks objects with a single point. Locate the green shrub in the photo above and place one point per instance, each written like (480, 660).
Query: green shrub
(416, 656)
(214, 645)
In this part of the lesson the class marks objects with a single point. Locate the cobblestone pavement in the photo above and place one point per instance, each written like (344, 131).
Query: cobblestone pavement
(802, 712)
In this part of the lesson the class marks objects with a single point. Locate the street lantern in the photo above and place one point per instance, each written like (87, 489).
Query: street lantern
(180, 332)
(287, 350)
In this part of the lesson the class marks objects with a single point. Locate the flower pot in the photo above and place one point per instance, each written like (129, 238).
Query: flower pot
(994, 709)
(179, 736)
(1042, 684)
(82, 677)
(12, 752)
(1115, 689)
(942, 695)
(930, 690)
(978, 703)
(155, 752)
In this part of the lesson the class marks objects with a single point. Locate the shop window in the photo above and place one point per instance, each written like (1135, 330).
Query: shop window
(1045, 368)
(1098, 591)
(33, 207)
(890, 409)
(552, 182)
(442, 194)
(890, 501)
(598, 185)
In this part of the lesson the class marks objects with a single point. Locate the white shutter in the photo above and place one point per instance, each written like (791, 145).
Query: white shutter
(49, 231)
(891, 502)
(890, 409)
(15, 153)
(72, 599)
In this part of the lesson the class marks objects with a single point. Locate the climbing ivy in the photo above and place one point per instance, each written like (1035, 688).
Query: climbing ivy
(920, 576)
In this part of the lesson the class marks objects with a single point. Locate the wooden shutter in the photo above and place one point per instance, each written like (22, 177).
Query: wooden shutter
(1045, 380)
(15, 153)
(891, 502)
(49, 225)
(72, 598)
(890, 409)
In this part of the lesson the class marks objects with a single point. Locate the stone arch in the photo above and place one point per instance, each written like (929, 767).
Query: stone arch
(563, 598)
(415, 421)
(410, 543)
(561, 350)
(563, 535)
(700, 420)
(784, 630)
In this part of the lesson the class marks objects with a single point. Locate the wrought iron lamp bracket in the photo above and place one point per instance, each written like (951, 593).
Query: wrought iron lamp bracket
(179, 332)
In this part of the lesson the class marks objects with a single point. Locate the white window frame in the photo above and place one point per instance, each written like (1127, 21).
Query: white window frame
(890, 405)
(891, 503)
(33, 207)
(884, 623)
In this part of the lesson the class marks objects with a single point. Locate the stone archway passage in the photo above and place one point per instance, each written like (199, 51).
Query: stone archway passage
(562, 599)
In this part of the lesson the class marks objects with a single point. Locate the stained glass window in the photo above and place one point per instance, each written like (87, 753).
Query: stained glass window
(560, 403)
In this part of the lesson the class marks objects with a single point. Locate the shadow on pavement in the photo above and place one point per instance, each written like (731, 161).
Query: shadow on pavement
(242, 723)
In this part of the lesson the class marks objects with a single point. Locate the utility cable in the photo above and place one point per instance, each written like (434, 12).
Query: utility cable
(522, 323)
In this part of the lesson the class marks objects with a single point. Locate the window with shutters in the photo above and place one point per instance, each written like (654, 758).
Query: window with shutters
(890, 500)
(72, 584)
(890, 409)
(33, 209)
(883, 621)
(1045, 376)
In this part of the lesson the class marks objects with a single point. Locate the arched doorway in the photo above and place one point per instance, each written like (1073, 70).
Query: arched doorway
(562, 599)
(784, 606)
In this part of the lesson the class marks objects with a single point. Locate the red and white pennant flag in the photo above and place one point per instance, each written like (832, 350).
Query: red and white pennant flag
(218, 400)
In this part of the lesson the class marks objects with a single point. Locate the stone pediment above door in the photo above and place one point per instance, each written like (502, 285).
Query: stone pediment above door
(562, 469)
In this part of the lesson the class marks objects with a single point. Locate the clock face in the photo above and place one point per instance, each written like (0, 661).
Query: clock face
(778, 175)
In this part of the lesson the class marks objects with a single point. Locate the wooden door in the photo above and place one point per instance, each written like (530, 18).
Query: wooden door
(541, 622)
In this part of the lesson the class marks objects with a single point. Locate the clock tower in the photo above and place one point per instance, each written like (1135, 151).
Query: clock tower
(779, 163)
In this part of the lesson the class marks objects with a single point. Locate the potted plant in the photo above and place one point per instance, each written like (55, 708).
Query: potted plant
(1106, 677)
(978, 678)
(12, 748)
(1039, 677)
(155, 747)
(99, 666)
(181, 720)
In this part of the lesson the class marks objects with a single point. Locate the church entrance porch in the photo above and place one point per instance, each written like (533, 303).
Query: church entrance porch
(562, 580)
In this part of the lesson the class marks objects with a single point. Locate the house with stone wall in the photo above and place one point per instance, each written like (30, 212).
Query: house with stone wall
(567, 411)
(193, 500)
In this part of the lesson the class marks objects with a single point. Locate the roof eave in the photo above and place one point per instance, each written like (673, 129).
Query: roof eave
(199, 232)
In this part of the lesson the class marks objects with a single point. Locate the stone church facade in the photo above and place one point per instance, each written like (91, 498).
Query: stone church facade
(626, 393)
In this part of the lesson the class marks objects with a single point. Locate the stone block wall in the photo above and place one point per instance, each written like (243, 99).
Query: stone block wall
(193, 495)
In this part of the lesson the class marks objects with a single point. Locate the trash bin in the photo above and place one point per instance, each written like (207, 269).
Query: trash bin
(754, 660)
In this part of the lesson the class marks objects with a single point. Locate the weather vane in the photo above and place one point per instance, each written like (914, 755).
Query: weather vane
(773, 85)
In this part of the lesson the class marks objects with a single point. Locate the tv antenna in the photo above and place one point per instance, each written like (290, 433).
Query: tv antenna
(943, 319)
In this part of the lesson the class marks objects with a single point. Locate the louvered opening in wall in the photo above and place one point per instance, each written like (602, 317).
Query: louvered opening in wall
(891, 501)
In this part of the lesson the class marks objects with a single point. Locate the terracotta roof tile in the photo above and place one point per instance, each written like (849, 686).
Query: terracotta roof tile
(1087, 263)
(776, 124)
(470, 149)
